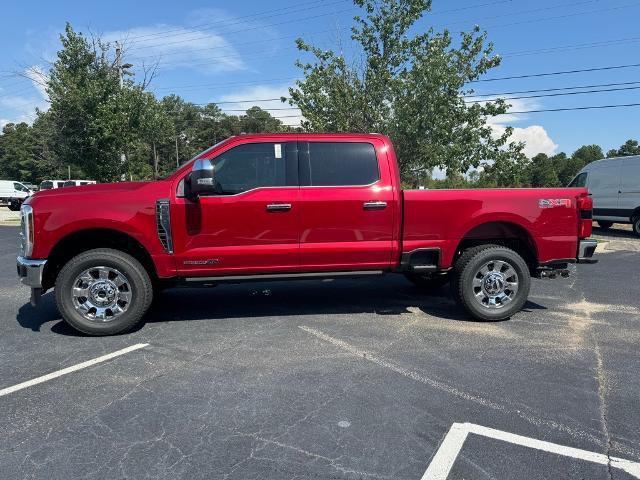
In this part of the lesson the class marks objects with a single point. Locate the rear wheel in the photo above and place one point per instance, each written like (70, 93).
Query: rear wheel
(103, 292)
(491, 282)
(636, 225)
(604, 224)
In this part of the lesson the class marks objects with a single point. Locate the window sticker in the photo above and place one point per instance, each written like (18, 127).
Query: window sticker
(278, 150)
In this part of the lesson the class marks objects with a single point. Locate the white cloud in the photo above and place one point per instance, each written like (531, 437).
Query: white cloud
(18, 108)
(535, 137)
(262, 92)
(186, 48)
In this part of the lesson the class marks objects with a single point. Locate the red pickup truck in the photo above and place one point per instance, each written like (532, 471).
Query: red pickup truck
(295, 206)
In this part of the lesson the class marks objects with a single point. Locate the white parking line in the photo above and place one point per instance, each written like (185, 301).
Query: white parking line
(73, 368)
(446, 455)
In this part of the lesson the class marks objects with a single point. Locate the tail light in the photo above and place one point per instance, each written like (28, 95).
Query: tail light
(585, 207)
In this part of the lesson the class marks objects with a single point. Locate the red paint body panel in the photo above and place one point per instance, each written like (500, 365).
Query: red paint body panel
(442, 218)
(337, 233)
(326, 229)
(128, 207)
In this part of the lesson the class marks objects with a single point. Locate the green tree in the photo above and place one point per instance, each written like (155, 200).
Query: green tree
(94, 119)
(18, 153)
(582, 156)
(629, 148)
(506, 173)
(410, 87)
(542, 168)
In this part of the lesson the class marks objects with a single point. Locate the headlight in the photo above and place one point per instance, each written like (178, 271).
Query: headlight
(26, 231)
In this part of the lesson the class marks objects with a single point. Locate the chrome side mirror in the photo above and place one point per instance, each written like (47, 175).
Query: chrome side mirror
(201, 181)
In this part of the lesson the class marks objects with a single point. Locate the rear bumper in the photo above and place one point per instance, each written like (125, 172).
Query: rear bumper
(30, 271)
(586, 249)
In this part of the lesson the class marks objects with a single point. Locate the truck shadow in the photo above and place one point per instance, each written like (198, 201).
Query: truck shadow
(392, 295)
(614, 232)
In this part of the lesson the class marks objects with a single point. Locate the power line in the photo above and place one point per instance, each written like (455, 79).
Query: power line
(252, 42)
(205, 26)
(550, 89)
(289, 11)
(568, 15)
(295, 20)
(207, 85)
(567, 109)
(555, 94)
(462, 22)
(562, 72)
(535, 10)
(575, 46)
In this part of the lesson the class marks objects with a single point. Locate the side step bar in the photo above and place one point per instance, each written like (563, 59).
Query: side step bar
(283, 276)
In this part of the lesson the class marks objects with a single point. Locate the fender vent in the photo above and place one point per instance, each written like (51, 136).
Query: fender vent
(163, 224)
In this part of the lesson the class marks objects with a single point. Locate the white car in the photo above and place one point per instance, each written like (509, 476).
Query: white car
(49, 184)
(614, 186)
(78, 183)
(13, 193)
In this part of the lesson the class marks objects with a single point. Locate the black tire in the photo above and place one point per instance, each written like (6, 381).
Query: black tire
(604, 224)
(141, 290)
(636, 225)
(427, 282)
(15, 205)
(467, 267)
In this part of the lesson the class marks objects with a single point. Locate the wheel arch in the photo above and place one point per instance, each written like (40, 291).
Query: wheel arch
(80, 241)
(506, 233)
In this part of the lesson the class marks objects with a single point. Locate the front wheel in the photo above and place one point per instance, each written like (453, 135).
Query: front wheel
(103, 292)
(491, 282)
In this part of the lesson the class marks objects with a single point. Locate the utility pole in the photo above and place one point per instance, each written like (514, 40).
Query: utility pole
(120, 68)
(119, 62)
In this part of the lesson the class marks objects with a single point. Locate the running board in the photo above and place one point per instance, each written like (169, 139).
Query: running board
(283, 276)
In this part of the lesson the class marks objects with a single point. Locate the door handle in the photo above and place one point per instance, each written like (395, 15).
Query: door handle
(375, 205)
(279, 207)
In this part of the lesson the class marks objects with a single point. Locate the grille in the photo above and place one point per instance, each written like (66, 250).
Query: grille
(163, 224)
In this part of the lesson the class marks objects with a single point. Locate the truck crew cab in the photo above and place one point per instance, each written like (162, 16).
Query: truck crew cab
(275, 206)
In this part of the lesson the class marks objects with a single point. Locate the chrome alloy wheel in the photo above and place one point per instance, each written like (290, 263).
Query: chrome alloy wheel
(495, 284)
(101, 294)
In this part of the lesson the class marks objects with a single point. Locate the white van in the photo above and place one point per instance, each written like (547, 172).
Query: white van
(78, 183)
(49, 184)
(13, 193)
(614, 185)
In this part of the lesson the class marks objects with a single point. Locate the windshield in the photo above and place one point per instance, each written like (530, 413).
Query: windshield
(201, 154)
(46, 185)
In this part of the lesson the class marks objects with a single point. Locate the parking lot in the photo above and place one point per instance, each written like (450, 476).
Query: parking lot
(344, 379)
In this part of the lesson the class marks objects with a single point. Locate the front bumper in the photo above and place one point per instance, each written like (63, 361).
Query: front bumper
(30, 272)
(586, 249)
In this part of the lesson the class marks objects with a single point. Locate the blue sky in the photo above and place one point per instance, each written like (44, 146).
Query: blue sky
(229, 51)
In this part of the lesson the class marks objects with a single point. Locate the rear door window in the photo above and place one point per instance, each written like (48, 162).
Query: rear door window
(329, 164)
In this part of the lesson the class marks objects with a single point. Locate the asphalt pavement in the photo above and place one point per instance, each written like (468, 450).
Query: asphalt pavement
(343, 379)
